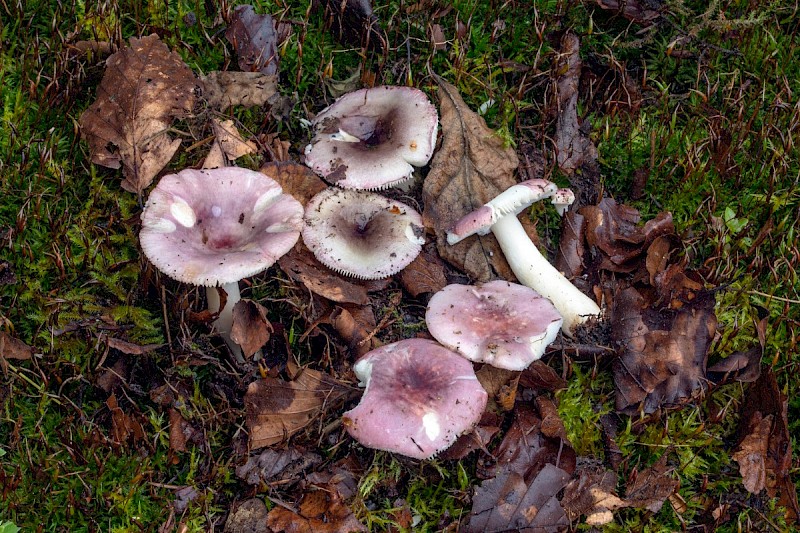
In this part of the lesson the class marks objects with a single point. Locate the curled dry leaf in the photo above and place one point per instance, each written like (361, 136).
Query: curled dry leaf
(144, 88)
(471, 167)
(424, 274)
(592, 494)
(295, 179)
(251, 329)
(13, 348)
(663, 352)
(321, 510)
(277, 465)
(276, 409)
(639, 11)
(228, 145)
(353, 22)
(255, 39)
(125, 428)
(652, 486)
(222, 90)
(301, 265)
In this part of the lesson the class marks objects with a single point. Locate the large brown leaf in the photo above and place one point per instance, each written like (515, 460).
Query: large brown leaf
(276, 409)
(471, 167)
(144, 88)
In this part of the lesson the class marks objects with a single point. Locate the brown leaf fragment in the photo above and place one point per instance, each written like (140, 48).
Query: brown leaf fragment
(301, 265)
(295, 179)
(424, 274)
(13, 348)
(255, 39)
(251, 329)
(354, 23)
(765, 443)
(276, 409)
(126, 347)
(344, 474)
(320, 511)
(356, 326)
(179, 431)
(652, 486)
(635, 10)
(471, 167)
(277, 465)
(569, 258)
(145, 87)
(501, 386)
(125, 428)
(249, 517)
(592, 494)
(539, 376)
(508, 503)
(222, 90)
(228, 145)
(663, 352)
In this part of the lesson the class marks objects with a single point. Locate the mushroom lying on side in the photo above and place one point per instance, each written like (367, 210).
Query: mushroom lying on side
(217, 226)
(504, 324)
(373, 138)
(362, 234)
(419, 398)
(531, 268)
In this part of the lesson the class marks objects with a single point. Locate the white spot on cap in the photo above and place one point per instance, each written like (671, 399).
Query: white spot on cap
(413, 237)
(266, 199)
(216, 210)
(343, 136)
(183, 213)
(431, 424)
(159, 225)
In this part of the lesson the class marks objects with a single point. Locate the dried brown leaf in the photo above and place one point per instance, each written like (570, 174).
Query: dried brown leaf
(540, 376)
(279, 466)
(222, 90)
(13, 348)
(424, 274)
(301, 265)
(144, 88)
(354, 23)
(321, 510)
(652, 487)
(500, 385)
(297, 180)
(592, 494)
(751, 454)
(251, 329)
(255, 39)
(471, 167)
(124, 427)
(355, 324)
(569, 259)
(276, 409)
(249, 517)
(128, 347)
(228, 145)
(634, 10)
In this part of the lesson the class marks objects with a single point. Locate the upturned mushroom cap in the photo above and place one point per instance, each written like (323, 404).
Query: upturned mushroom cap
(217, 226)
(504, 324)
(419, 398)
(373, 138)
(362, 234)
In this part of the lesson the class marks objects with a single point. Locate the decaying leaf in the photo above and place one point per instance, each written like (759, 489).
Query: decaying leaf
(652, 486)
(295, 179)
(251, 329)
(228, 145)
(255, 39)
(471, 167)
(635, 10)
(277, 465)
(743, 366)
(424, 274)
(301, 265)
(276, 409)
(222, 90)
(125, 428)
(501, 386)
(592, 494)
(764, 452)
(7, 276)
(144, 88)
(663, 351)
(320, 511)
(249, 517)
(181, 432)
(508, 503)
(13, 348)
(126, 347)
(569, 258)
(353, 22)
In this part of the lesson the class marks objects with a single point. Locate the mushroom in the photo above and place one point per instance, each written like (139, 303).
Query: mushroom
(500, 217)
(214, 227)
(504, 324)
(373, 138)
(362, 234)
(419, 398)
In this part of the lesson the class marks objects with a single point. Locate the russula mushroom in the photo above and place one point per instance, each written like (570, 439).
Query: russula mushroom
(214, 227)
(504, 324)
(531, 268)
(373, 138)
(362, 234)
(419, 398)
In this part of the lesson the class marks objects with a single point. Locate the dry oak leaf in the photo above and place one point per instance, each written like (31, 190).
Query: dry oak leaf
(222, 90)
(424, 274)
(320, 511)
(295, 179)
(255, 39)
(228, 145)
(471, 167)
(751, 453)
(251, 329)
(276, 409)
(145, 87)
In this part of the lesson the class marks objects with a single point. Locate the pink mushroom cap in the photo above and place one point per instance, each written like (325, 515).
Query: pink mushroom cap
(504, 324)
(419, 398)
(217, 226)
(373, 138)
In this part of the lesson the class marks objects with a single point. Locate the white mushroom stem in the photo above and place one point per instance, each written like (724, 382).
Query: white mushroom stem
(536, 272)
(224, 321)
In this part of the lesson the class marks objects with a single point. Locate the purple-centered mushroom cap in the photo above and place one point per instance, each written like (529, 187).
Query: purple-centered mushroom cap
(362, 234)
(419, 398)
(373, 138)
(217, 226)
(504, 324)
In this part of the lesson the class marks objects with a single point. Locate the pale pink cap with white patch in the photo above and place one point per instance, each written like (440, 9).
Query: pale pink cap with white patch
(373, 138)
(216, 226)
(419, 398)
(504, 324)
